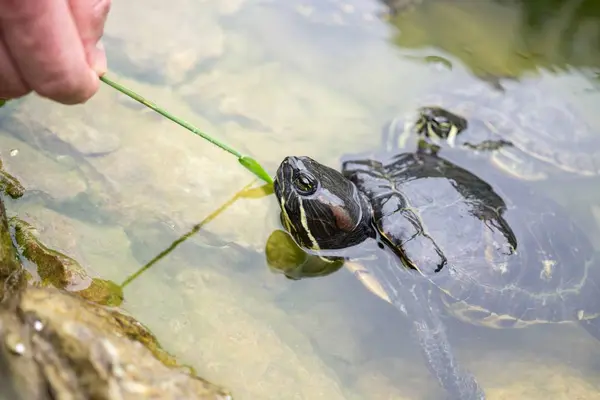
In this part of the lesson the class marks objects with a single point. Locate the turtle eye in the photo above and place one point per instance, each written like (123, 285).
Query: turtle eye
(305, 184)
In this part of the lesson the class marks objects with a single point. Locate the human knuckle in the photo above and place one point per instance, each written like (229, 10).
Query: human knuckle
(65, 89)
(101, 7)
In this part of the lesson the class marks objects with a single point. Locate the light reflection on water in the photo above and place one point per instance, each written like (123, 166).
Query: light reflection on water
(273, 78)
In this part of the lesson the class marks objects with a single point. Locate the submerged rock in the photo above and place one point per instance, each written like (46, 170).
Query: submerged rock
(55, 345)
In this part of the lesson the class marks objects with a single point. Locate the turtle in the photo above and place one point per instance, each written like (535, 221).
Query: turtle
(433, 239)
(528, 131)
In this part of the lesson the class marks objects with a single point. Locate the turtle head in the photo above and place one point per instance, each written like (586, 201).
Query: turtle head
(438, 123)
(320, 208)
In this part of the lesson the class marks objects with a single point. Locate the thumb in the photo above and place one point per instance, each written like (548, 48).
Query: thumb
(89, 17)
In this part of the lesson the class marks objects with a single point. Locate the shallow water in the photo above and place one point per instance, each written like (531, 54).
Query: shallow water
(274, 78)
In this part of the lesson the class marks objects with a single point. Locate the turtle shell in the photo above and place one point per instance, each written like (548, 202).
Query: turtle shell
(529, 116)
(500, 260)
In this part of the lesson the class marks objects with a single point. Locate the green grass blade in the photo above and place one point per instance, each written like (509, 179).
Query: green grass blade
(249, 163)
(2, 102)
(168, 115)
(253, 166)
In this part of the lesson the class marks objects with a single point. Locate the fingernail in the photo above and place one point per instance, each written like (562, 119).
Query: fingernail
(100, 65)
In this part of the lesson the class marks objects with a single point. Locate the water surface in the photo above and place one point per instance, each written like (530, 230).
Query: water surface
(274, 78)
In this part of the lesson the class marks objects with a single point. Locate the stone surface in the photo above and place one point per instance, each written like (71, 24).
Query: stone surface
(57, 346)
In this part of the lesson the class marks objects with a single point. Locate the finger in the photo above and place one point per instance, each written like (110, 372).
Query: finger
(44, 42)
(90, 16)
(11, 83)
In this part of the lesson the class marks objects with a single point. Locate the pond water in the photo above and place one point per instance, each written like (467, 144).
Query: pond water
(114, 185)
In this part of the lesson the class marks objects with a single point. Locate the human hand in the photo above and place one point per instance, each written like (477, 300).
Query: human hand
(50, 47)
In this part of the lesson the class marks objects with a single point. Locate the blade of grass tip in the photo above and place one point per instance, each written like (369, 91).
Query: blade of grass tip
(253, 166)
(2, 102)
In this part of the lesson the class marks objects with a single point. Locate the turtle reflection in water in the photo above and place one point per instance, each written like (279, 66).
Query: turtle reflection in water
(427, 235)
(528, 131)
